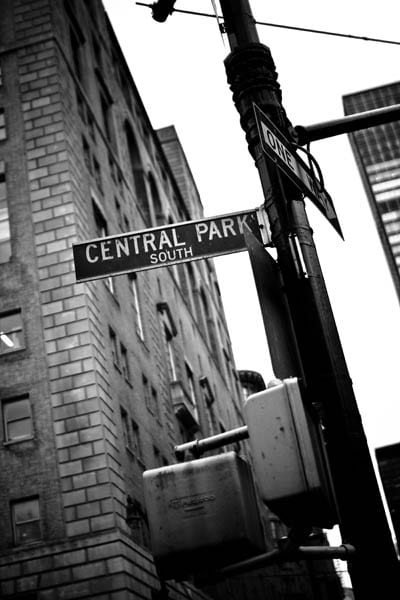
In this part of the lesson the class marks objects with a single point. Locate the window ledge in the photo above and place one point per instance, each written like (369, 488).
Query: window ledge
(13, 352)
(23, 545)
(19, 441)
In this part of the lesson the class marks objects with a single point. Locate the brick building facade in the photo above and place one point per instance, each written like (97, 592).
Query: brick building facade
(100, 380)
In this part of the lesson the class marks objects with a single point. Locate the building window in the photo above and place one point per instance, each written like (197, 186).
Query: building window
(17, 419)
(125, 89)
(151, 398)
(227, 367)
(211, 419)
(81, 105)
(102, 231)
(157, 206)
(136, 442)
(120, 183)
(146, 391)
(125, 429)
(169, 332)
(5, 236)
(131, 435)
(11, 332)
(170, 353)
(76, 49)
(138, 178)
(97, 53)
(190, 380)
(208, 402)
(86, 155)
(106, 112)
(158, 462)
(25, 516)
(91, 127)
(97, 174)
(113, 168)
(137, 306)
(3, 133)
(125, 362)
(114, 347)
(154, 402)
(118, 213)
(192, 391)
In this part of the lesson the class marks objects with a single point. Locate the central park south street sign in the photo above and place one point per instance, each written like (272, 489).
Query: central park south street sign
(164, 246)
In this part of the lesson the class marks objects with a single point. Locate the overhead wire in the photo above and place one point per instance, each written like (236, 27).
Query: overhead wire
(290, 27)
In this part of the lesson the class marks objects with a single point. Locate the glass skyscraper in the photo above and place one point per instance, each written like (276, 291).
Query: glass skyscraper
(377, 153)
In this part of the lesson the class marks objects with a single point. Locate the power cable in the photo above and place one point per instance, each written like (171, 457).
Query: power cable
(291, 27)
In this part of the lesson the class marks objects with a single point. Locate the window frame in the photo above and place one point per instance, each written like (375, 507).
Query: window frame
(136, 448)
(6, 421)
(4, 337)
(16, 536)
(114, 347)
(125, 428)
(124, 362)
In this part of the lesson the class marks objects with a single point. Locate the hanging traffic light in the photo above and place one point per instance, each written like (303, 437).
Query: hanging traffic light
(289, 458)
(162, 9)
(203, 514)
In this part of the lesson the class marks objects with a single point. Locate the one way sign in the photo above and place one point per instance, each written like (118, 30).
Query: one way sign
(279, 149)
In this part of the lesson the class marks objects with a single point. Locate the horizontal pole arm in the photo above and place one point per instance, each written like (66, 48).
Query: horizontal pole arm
(198, 447)
(344, 552)
(370, 118)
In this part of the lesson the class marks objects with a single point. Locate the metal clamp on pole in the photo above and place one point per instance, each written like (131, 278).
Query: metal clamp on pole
(263, 223)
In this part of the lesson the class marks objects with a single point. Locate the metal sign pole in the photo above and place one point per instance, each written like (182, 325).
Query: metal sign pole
(253, 80)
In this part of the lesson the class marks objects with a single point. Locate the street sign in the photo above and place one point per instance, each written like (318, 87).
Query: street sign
(164, 246)
(279, 149)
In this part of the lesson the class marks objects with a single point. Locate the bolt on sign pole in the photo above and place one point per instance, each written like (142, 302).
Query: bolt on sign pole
(253, 80)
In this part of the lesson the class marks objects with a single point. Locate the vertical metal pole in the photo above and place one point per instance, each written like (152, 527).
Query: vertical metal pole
(253, 79)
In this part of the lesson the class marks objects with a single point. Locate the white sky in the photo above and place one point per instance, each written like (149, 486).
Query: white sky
(178, 69)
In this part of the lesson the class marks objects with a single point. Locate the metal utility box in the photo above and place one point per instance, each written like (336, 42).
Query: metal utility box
(203, 514)
(289, 459)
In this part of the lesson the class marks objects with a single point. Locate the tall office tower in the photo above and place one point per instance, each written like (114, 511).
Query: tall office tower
(377, 153)
(98, 380)
(388, 458)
